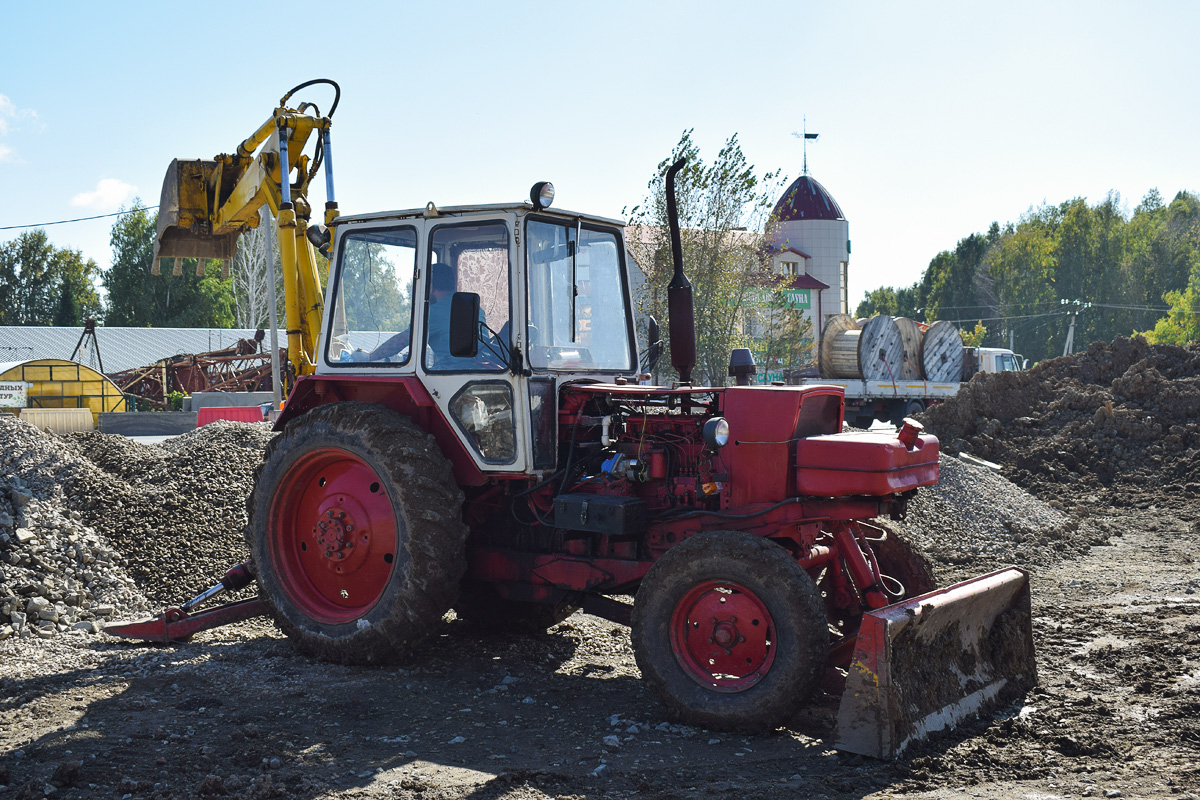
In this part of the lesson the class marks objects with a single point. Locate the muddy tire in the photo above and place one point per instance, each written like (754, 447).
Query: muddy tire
(900, 560)
(481, 606)
(729, 632)
(356, 533)
(908, 409)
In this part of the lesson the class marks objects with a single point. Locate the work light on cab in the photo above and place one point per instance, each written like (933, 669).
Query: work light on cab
(542, 194)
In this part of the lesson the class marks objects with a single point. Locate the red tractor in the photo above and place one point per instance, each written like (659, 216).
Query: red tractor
(468, 429)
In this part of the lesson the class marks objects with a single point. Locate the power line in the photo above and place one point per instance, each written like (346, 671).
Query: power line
(80, 219)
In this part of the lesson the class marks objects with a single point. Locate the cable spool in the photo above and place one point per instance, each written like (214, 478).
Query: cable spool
(942, 352)
(910, 337)
(838, 356)
(881, 350)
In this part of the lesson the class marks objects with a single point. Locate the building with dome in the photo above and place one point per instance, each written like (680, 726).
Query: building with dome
(810, 246)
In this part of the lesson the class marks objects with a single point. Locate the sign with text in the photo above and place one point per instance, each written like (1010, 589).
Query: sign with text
(12, 393)
(798, 298)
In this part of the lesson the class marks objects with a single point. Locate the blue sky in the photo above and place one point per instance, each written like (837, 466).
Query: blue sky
(935, 118)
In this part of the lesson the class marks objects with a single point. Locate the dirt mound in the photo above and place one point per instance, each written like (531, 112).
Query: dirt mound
(94, 523)
(1123, 414)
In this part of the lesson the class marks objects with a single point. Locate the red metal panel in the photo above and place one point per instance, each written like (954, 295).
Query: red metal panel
(232, 413)
(864, 464)
(762, 421)
(406, 395)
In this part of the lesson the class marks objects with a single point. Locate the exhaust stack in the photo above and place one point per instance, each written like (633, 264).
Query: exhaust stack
(680, 311)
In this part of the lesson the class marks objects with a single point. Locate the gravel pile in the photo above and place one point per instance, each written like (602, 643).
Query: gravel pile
(1123, 415)
(56, 574)
(95, 526)
(975, 520)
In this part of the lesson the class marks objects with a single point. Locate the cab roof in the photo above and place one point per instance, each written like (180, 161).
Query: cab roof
(431, 211)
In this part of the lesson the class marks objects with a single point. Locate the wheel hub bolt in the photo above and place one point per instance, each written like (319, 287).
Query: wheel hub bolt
(725, 635)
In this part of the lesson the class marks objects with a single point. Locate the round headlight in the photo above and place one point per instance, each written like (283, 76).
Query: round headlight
(716, 433)
(542, 194)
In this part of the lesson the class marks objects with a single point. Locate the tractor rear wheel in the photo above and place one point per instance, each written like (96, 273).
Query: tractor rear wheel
(729, 632)
(356, 533)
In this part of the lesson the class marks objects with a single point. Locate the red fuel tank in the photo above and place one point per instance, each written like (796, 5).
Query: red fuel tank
(873, 464)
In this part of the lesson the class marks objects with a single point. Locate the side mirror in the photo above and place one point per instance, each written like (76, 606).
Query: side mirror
(464, 324)
(653, 345)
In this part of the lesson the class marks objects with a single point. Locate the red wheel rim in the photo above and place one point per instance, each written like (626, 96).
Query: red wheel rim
(723, 636)
(333, 536)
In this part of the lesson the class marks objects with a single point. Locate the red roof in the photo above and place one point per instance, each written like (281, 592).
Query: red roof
(774, 249)
(806, 199)
(806, 282)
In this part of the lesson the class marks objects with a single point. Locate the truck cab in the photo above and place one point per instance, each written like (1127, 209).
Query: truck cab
(1000, 359)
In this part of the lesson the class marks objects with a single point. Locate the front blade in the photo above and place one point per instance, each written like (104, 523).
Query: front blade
(927, 663)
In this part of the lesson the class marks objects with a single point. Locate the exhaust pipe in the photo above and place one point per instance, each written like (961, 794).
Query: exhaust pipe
(680, 311)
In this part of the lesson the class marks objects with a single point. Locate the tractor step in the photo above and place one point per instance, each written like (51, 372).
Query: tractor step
(925, 664)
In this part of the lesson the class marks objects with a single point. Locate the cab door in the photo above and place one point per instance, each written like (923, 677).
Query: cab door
(486, 404)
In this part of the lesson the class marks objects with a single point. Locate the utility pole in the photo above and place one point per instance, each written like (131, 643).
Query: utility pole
(1073, 309)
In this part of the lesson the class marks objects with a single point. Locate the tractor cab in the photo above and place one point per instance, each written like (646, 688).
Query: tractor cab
(490, 308)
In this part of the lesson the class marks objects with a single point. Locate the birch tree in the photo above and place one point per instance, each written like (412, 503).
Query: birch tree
(724, 207)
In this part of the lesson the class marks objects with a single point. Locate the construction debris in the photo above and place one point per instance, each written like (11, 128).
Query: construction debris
(245, 367)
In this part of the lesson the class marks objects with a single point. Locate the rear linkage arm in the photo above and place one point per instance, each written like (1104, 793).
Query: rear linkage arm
(176, 624)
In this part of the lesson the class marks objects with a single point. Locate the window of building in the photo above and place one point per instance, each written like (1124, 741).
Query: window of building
(791, 268)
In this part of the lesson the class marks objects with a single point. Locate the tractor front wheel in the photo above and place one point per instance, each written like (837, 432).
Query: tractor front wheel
(356, 533)
(729, 632)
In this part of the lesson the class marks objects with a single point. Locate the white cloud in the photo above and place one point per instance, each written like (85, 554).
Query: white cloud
(9, 111)
(7, 153)
(109, 194)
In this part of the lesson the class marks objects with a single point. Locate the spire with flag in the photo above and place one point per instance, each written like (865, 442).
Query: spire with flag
(805, 136)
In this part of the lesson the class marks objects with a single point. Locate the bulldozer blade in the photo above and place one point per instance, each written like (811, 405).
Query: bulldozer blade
(925, 664)
(184, 226)
(175, 625)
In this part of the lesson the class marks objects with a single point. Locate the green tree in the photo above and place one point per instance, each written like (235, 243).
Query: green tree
(67, 314)
(975, 336)
(948, 287)
(1182, 323)
(781, 336)
(723, 210)
(137, 298)
(35, 276)
(904, 302)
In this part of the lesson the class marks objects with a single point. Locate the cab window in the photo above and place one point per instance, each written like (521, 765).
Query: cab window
(468, 258)
(372, 303)
(578, 317)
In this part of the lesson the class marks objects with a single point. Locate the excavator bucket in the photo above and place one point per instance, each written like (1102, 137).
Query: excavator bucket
(184, 227)
(925, 664)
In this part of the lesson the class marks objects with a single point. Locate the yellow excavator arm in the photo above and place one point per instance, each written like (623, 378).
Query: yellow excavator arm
(206, 204)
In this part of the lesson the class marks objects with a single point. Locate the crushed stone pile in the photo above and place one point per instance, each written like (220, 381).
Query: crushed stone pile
(1122, 415)
(976, 521)
(98, 526)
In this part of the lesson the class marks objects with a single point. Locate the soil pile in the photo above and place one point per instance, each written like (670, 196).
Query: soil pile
(1124, 414)
(94, 526)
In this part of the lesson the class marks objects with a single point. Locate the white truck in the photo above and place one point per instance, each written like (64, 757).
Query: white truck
(892, 368)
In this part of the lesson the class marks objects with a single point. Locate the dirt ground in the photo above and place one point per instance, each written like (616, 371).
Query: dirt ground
(238, 712)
